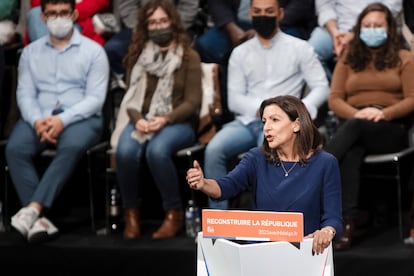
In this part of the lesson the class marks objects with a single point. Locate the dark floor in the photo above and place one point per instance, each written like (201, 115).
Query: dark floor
(78, 250)
(377, 253)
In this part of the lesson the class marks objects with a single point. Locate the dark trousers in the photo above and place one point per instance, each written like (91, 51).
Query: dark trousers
(356, 138)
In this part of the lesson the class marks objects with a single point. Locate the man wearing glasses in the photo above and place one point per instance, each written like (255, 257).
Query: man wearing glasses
(87, 9)
(62, 84)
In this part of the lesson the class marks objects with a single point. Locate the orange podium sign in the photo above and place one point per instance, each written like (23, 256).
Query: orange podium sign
(252, 225)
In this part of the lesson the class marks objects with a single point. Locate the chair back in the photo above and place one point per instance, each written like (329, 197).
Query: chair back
(211, 102)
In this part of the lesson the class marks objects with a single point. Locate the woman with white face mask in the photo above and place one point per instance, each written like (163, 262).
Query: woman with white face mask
(372, 94)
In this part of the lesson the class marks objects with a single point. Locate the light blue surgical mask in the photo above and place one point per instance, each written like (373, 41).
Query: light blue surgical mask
(373, 37)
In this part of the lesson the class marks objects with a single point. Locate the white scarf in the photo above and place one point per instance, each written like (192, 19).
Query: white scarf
(150, 61)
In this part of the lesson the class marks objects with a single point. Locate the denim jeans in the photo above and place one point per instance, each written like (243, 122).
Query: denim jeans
(215, 45)
(158, 152)
(116, 48)
(232, 139)
(322, 42)
(23, 145)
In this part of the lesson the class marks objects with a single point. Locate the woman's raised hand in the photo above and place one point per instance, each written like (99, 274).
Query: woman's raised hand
(195, 176)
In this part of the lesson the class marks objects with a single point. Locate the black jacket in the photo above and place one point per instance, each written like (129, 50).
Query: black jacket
(298, 13)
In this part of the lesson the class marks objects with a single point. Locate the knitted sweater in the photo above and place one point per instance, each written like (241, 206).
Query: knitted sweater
(393, 89)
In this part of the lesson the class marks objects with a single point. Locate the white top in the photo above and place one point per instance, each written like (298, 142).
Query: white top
(256, 73)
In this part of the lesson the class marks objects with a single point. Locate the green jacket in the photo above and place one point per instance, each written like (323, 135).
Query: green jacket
(8, 9)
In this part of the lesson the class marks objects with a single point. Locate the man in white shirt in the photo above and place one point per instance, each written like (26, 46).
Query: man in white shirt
(270, 64)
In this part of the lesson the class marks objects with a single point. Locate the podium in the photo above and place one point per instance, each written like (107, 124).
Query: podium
(218, 257)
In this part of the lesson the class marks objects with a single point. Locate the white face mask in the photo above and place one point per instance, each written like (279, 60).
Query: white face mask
(59, 27)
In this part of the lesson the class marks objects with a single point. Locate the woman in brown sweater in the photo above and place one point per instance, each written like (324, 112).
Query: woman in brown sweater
(372, 92)
(158, 114)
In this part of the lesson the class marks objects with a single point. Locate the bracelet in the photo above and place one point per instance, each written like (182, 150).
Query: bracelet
(330, 231)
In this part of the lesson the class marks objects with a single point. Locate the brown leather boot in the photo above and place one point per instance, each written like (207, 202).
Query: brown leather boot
(171, 226)
(132, 228)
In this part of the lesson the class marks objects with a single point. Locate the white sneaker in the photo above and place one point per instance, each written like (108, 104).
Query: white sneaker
(23, 220)
(42, 230)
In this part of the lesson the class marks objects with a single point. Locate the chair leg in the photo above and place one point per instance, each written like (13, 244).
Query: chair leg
(399, 202)
(6, 219)
(109, 171)
(91, 195)
(106, 230)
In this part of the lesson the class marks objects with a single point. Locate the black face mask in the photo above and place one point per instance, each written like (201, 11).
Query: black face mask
(264, 25)
(161, 37)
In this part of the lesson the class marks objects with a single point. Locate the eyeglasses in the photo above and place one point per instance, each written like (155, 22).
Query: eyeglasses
(55, 14)
(152, 23)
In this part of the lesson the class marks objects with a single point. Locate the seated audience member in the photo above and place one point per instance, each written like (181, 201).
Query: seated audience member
(117, 46)
(336, 18)
(158, 114)
(86, 10)
(289, 173)
(270, 64)
(232, 26)
(372, 92)
(61, 89)
(9, 17)
(299, 18)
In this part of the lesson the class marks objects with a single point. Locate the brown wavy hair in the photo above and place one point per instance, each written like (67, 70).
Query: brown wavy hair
(386, 56)
(308, 138)
(140, 35)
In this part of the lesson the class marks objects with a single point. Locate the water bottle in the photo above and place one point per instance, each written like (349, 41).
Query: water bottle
(114, 209)
(192, 219)
(331, 123)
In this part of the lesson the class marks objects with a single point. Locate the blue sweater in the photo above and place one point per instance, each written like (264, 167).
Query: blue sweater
(313, 189)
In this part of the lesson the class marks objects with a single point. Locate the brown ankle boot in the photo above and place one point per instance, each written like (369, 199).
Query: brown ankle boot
(132, 228)
(171, 226)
